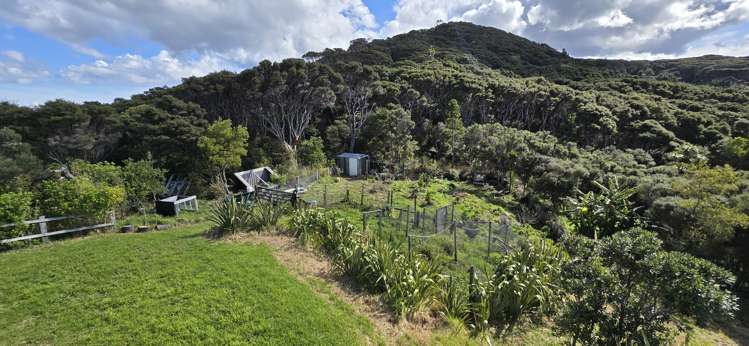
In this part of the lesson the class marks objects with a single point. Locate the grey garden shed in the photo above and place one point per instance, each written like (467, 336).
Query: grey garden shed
(353, 164)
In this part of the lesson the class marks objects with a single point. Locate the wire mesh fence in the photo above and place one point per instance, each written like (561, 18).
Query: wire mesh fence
(434, 232)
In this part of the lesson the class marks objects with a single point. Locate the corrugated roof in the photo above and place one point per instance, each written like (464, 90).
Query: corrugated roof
(352, 155)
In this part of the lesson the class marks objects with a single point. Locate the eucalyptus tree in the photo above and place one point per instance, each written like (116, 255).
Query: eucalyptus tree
(287, 95)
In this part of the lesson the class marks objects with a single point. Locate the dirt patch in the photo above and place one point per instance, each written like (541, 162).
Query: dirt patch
(306, 264)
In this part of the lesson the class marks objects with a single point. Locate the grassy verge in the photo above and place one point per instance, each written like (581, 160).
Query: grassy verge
(170, 287)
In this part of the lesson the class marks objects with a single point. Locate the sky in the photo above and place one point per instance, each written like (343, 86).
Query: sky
(83, 50)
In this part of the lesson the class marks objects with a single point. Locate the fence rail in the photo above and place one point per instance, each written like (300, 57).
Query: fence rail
(43, 228)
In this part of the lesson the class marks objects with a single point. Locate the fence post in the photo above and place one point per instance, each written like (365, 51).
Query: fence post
(361, 200)
(347, 196)
(379, 222)
(43, 228)
(489, 243)
(325, 196)
(409, 248)
(455, 243)
(408, 221)
(113, 219)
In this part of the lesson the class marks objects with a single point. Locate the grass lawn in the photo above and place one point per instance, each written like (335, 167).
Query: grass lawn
(166, 287)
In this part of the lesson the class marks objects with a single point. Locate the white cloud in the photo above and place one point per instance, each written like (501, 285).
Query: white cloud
(15, 69)
(585, 27)
(629, 27)
(161, 69)
(14, 55)
(419, 14)
(262, 29)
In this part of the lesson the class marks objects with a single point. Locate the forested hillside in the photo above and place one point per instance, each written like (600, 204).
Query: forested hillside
(455, 101)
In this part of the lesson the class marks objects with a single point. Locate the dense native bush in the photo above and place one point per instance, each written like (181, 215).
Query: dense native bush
(624, 289)
(79, 196)
(15, 207)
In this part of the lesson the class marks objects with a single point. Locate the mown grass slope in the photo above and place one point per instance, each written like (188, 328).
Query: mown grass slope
(167, 287)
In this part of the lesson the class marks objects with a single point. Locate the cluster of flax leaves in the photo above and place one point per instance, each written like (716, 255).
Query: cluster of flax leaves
(522, 283)
(232, 215)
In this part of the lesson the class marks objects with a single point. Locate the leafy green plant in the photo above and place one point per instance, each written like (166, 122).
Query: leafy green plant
(15, 207)
(452, 298)
(79, 196)
(525, 282)
(143, 181)
(407, 285)
(231, 215)
(265, 214)
(625, 289)
(597, 215)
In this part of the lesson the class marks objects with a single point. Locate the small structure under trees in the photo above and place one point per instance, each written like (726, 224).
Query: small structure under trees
(248, 180)
(171, 206)
(353, 164)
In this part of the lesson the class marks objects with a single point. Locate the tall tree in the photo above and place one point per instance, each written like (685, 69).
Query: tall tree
(224, 146)
(390, 135)
(357, 98)
(288, 95)
(453, 131)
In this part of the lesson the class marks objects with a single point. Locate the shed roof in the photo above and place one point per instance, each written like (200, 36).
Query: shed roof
(352, 155)
(244, 176)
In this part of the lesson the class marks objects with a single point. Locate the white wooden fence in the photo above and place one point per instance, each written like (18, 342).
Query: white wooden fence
(43, 227)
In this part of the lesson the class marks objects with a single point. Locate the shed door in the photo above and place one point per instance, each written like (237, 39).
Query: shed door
(353, 169)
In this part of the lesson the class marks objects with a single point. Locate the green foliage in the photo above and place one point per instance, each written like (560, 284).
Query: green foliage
(142, 181)
(452, 298)
(230, 215)
(100, 173)
(15, 207)
(17, 159)
(703, 215)
(224, 145)
(525, 283)
(625, 289)
(79, 196)
(391, 140)
(311, 152)
(452, 131)
(408, 285)
(598, 215)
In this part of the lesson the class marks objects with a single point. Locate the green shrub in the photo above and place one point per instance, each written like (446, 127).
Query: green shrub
(142, 181)
(311, 152)
(525, 282)
(79, 196)
(408, 285)
(266, 214)
(230, 215)
(100, 173)
(624, 289)
(15, 207)
(452, 298)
